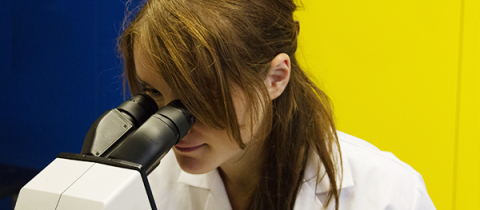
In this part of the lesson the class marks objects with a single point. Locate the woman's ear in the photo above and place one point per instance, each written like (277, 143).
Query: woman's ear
(278, 75)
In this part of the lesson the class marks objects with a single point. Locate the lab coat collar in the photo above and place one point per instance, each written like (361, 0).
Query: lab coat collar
(204, 181)
(307, 196)
(324, 185)
(218, 197)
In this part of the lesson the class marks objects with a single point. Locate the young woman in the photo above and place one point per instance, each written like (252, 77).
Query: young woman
(264, 137)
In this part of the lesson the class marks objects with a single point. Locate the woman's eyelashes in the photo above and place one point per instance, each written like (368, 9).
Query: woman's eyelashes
(156, 95)
(152, 92)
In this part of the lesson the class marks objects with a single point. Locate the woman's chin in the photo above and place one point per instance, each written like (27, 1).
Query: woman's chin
(193, 165)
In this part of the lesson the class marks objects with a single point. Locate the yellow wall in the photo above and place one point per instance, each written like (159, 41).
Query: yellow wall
(467, 188)
(405, 76)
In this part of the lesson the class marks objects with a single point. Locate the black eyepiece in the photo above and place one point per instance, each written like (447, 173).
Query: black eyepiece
(140, 107)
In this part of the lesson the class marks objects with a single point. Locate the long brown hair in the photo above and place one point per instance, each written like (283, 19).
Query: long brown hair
(200, 47)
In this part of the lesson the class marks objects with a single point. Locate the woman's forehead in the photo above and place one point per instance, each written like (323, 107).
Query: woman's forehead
(142, 68)
(145, 72)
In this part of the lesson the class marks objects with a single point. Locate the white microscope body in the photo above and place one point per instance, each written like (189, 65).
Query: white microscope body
(111, 171)
(67, 184)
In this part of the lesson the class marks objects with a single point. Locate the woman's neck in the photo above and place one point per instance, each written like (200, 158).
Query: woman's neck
(241, 175)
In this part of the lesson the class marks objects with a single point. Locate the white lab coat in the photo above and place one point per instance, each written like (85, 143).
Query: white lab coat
(372, 180)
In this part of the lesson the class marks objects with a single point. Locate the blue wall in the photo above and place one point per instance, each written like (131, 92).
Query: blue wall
(60, 71)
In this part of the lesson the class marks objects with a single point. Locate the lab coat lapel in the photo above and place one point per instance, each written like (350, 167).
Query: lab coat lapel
(307, 199)
(308, 196)
(324, 185)
(204, 181)
(217, 196)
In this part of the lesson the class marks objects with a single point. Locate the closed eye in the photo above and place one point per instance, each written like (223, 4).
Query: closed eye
(152, 92)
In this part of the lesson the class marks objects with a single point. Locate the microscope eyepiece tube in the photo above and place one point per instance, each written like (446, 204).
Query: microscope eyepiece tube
(156, 136)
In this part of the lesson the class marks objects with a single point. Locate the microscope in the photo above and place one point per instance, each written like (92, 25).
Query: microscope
(120, 149)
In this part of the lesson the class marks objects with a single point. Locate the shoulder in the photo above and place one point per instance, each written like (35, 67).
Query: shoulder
(361, 155)
(378, 180)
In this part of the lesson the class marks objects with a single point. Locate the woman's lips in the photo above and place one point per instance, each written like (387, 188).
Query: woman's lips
(182, 148)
